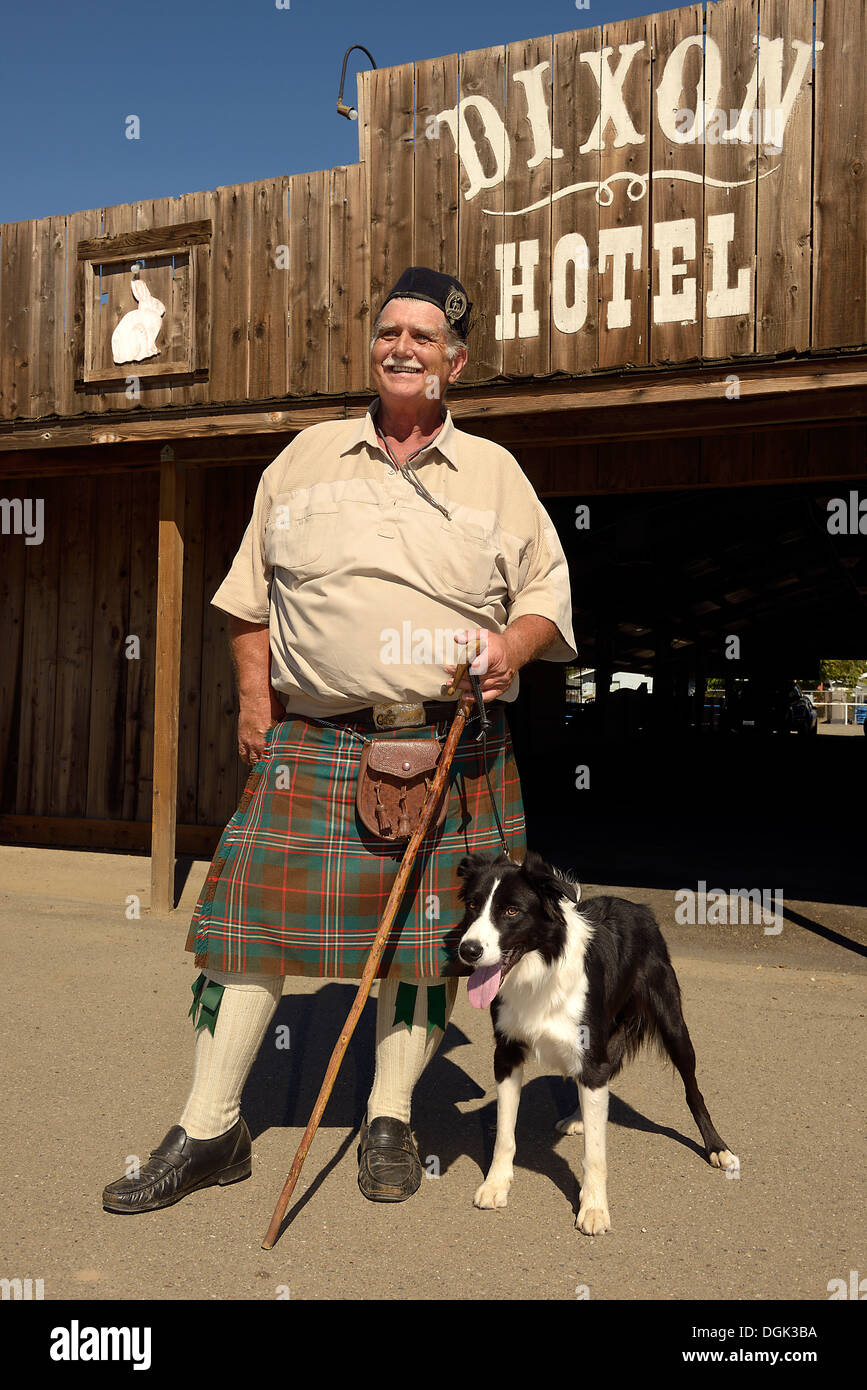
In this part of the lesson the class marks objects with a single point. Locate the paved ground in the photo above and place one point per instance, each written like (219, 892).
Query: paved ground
(95, 1036)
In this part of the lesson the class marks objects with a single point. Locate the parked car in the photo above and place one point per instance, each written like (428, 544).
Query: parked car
(802, 712)
(756, 706)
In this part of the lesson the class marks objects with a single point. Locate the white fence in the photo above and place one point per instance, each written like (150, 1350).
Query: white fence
(838, 706)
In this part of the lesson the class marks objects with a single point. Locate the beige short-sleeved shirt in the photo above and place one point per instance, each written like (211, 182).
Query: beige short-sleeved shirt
(363, 581)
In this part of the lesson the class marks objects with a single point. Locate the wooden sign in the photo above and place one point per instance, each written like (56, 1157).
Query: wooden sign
(671, 188)
(626, 171)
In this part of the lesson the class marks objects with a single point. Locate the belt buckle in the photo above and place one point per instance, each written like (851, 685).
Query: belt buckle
(399, 716)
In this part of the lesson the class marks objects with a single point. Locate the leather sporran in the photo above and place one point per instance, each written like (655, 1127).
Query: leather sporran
(393, 780)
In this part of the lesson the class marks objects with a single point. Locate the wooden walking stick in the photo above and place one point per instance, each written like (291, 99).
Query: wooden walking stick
(442, 770)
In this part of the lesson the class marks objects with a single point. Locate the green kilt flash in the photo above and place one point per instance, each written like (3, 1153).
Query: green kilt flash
(297, 885)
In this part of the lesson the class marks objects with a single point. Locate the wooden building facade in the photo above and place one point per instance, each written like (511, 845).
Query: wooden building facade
(662, 225)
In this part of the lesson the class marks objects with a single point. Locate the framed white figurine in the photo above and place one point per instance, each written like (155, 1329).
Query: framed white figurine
(143, 300)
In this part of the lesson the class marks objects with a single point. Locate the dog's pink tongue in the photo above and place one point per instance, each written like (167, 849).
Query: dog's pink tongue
(483, 985)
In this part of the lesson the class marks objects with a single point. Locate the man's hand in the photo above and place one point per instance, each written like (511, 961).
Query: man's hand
(503, 654)
(493, 665)
(258, 704)
(255, 718)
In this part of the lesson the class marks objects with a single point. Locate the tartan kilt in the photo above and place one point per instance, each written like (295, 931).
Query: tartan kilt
(297, 885)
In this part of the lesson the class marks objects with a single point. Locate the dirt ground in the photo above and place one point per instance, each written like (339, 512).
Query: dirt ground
(98, 1049)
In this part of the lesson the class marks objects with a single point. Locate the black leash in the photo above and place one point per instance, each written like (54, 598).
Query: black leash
(481, 737)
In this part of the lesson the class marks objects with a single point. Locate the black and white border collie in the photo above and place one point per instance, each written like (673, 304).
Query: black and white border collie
(580, 992)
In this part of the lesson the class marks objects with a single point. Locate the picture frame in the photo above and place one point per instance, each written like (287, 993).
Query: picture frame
(173, 262)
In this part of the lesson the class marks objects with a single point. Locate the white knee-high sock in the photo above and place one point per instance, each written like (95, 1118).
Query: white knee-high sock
(402, 1053)
(223, 1061)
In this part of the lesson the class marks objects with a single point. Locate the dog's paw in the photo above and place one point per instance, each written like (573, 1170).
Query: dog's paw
(493, 1193)
(570, 1124)
(729, 1162)
(593, 1220)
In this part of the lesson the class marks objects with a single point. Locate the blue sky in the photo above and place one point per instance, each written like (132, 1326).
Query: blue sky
(226, 91)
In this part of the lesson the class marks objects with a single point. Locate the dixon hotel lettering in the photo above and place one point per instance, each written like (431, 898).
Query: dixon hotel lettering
(620, 247)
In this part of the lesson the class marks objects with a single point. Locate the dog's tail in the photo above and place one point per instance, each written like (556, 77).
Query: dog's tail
(638, 1030)
(656, 1012)
(632, 1030)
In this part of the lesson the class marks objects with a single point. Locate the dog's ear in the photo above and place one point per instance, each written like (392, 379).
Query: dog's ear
(548, 884)
(469, 870)
(533, 863)
(471, 863)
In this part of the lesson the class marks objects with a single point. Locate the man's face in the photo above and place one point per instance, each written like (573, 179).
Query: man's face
(408, 359)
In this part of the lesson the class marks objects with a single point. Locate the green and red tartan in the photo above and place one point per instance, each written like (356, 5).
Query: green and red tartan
(297, 885)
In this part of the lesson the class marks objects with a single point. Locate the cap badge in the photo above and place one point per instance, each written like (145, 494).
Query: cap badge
(455, 305)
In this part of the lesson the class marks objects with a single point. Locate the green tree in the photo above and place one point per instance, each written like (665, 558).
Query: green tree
(845, 671)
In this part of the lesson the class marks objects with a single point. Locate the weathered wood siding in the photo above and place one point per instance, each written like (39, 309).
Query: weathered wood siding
(77, 680)
(619, 239)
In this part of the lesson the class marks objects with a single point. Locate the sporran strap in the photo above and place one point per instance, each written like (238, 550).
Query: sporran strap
(481, 737)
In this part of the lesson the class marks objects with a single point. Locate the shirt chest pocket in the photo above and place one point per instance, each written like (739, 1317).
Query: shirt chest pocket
(302, 539)
(466, 561)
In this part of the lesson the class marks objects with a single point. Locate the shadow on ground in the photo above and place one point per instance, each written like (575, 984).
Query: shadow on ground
(444, 1131)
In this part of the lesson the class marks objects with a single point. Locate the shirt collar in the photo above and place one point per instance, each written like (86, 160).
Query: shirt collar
(445, 442)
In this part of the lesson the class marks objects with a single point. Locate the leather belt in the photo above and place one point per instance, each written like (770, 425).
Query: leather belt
(398, 715)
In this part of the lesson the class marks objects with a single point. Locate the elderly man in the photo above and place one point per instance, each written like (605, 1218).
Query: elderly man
(373, 545)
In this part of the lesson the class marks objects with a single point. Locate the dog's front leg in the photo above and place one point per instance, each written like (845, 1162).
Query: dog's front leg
(593, 1216)
(494, 1191)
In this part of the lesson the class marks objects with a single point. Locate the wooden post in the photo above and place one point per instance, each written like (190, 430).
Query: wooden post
(170, 579)
(362, 106)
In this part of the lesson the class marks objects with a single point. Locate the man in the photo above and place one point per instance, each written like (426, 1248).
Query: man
(373, 546)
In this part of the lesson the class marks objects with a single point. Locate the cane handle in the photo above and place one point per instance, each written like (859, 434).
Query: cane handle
(462, 668)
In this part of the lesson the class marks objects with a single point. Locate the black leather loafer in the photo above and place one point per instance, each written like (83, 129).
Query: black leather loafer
(181, 1165)
(389, 1168)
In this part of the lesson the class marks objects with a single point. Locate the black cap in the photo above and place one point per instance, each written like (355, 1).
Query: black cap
(447, 293)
